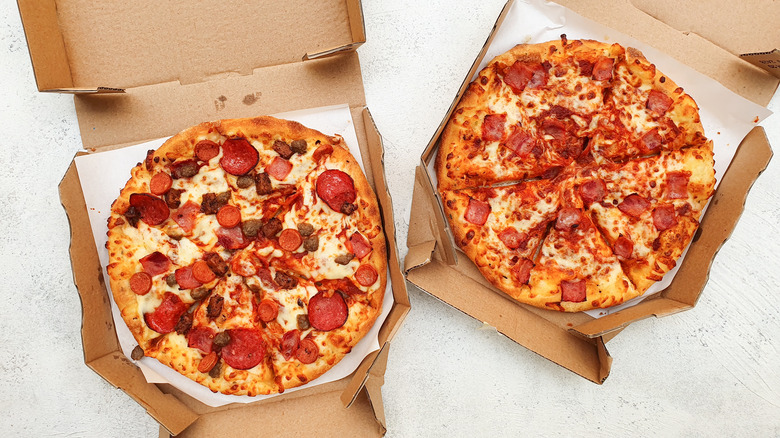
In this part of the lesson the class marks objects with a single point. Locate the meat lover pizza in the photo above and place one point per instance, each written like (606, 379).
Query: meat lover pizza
(574, 173)
(247, 254)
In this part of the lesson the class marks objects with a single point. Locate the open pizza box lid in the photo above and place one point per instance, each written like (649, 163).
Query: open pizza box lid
(707, 37)
(143, 70)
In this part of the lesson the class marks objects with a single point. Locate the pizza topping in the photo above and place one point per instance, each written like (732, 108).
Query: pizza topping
(245, 350)
(321, 152)
(283, 149)
(652, 140)
(348, 208)
(344, 259)
(207, 363)
(270, 228)
(231, 238)
(202, 338)
(659, 102)
(216, 372)
(251, 227)
(160, 183)
(522, 270)
(290, 239)
(360, 246)
(512, 238)
(205, 150)
(164, 318)
(525, 74)
(623, 247)
(477, 211)
(664, 217)
(184, 324)
(141, 283)
(285, 281)
(366, 275)
(602, 70)
(569, 219)
(305, 228)
(185, 279)
(573, 291)
(677, 185)
(210, 203)
(185, 216)
(202, 272)
(173, 198)
(336, 188)
(634, 205)
(221, 339)
(308, 352)
(267, 310)
(214, 307)
(132, 215)
(311, 243)
(229, 216)
(245, 181)
(593, 191)
(303, 321)
(152, 209)
(279, 168)
(155, 263)
(238, 156)
(289, 344)
(137, 353)
(327, 312)
(184, 169)
(493, 127)
(215, 263)
(299, 146)
(263, 184)
(522, 144)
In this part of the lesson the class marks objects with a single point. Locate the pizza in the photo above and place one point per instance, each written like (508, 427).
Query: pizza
(574, 173)
(247, 254)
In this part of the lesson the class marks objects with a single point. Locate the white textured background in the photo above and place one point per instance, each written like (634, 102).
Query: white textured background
(714, 370)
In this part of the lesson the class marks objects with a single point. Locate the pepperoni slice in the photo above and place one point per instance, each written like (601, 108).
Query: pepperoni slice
(141, 283)
(366, 275)
(160, 183)
(659, 102)
(185, 216)
(477, 211)
(185, 279)
(290, 239)
(231, 238)
(336, 188)
(267, 310)
(652, 140)
(586, 67)
(245, 350)
(512, 238)
(208, 362)
(634, 205)
(164, 318)
(202, 338)
(602, 69)
(202, 272)
(155, 263)
(525, 74)
(493, 127)
(522, 270)
(521, 143)
(677, 185)
(279, 168)
(569, 219)
(573, 291)
(238, 156)
(308, 352)
(623, 248)
(289, 344)
(205, 150)
(593, 191)
(327, 312)
(321, 152)
(554, 127)
(229, 216)
(360, 246)
(664, 217)
(154, 210)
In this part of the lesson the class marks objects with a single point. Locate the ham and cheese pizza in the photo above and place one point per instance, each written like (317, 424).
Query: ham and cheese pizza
(247, 254)
(574, 173)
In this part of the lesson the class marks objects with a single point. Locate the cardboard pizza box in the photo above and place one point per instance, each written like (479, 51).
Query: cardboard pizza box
(142, 70)
(707, 37)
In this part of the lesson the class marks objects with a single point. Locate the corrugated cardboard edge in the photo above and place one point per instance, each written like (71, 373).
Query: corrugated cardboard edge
(769, 61)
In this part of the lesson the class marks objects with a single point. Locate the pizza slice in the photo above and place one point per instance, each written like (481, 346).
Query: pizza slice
(648, 209)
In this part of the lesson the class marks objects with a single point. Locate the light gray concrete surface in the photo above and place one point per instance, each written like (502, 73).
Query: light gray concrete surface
(709, 371)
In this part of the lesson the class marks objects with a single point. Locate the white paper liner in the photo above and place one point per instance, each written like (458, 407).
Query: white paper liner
(104, 174)
(726, 117)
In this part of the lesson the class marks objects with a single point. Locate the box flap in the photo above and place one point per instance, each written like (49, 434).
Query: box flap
(84, 44)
